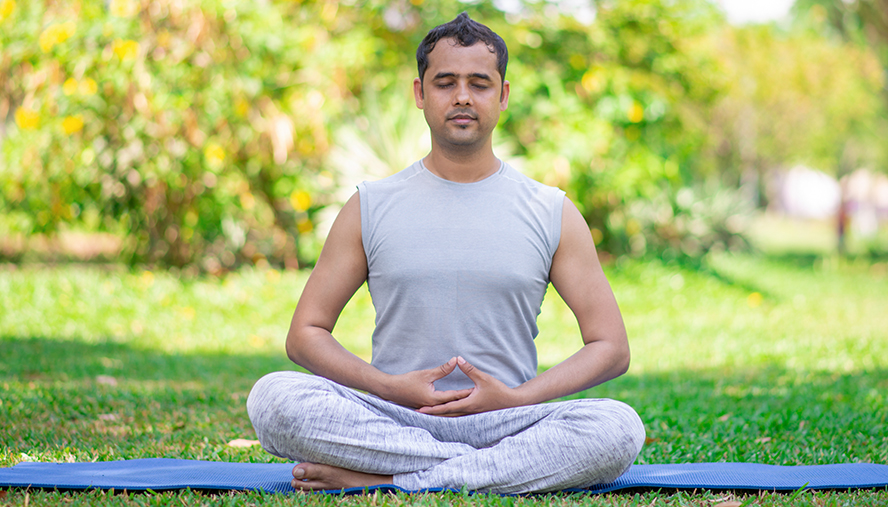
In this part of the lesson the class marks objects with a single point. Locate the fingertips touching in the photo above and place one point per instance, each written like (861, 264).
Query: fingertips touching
(447, 367)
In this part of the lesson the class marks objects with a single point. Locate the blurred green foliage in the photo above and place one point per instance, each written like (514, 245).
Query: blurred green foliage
(196, 128)
(204, 132)
(800, 97)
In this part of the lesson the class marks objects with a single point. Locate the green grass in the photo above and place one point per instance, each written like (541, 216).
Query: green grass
(779, 360)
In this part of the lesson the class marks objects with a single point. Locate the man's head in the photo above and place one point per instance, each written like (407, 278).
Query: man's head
(465, 32)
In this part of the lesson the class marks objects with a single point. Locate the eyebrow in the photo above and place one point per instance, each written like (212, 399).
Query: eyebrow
(479, 75)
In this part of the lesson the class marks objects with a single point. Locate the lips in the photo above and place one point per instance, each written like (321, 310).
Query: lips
(462, 117)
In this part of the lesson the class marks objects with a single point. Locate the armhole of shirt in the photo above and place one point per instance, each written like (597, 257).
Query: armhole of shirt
(364, 199)
(555, 231)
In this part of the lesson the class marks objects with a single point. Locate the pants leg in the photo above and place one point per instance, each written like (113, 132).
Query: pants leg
(537, 448)
(308, 418)
(577, 443)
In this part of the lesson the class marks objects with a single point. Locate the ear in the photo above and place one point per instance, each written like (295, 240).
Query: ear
(417, 92)
(504, 97)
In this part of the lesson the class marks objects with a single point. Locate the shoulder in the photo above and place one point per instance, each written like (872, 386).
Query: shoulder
(397, 180)
(545, 200)
(532, 187)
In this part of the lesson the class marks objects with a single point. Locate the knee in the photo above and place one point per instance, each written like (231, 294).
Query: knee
(628, 438)
(626, 421)
(616, 436)
(280, 395)
(281, 407)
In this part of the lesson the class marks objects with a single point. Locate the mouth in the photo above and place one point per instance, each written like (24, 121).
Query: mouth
(462, 118)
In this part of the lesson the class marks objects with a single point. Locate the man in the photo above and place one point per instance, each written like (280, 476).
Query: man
(457, 251)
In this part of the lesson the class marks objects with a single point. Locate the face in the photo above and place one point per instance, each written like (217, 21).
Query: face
(461, 95)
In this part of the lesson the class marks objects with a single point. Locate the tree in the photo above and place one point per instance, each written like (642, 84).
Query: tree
(198, 129)
(797, 97)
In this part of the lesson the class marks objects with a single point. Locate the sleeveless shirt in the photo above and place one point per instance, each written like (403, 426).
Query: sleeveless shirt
(458, 269)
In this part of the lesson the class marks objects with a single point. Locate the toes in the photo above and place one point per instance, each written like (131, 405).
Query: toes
(303, 471)
(309, 476)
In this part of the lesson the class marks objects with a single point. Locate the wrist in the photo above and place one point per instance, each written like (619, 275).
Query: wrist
(379, 384)
(527, 394)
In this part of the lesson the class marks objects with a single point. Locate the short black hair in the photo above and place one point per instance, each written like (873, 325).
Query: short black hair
(466, 32)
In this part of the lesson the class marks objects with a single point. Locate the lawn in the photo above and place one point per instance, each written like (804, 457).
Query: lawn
(778, 359)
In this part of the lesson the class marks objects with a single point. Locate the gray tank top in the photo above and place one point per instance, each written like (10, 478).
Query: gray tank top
(458, 269)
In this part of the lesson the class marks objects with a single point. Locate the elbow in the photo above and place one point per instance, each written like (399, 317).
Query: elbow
(622, 359)
(293, 349)
(624, 363)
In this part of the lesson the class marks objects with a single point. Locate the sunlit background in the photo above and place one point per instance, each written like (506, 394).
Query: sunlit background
(168, 166)
(204, 135)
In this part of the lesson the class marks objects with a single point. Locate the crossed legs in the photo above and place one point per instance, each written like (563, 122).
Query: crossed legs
(346, 438)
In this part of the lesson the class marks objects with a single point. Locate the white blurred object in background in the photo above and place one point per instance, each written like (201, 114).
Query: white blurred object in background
(866, 196)
(803, 192)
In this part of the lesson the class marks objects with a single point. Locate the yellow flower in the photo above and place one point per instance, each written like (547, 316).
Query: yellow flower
(56, 34)
(592, 81)
(126, 49)
(241, 107)
(247, 201)
(636, 112)
(214, 154)
(72, 124)
(88, 87)
(124, 8)
(300, 200)
(304, 226)
(27, 119)
(6, 9)
(754, 300)
(70, 86)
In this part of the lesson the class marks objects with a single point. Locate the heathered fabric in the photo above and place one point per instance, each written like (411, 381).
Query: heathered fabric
(545, 447)
(458, 269)
(454, 269)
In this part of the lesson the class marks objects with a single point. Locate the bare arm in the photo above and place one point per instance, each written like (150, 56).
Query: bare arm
(579, 279)
(339, 272)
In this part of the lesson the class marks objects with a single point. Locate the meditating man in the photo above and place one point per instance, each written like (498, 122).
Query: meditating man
(457, 251)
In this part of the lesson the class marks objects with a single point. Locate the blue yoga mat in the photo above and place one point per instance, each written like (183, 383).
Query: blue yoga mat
(160, 474)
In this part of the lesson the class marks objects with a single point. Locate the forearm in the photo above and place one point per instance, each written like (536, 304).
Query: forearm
(316, 350)
(595, 363)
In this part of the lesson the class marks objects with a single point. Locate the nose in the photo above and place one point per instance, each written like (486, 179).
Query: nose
(462, 96)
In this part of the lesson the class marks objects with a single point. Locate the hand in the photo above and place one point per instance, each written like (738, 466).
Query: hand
(487, 395)
(417, 388)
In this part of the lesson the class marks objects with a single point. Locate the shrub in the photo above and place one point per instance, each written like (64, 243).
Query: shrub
(683, 224)
(195, 129)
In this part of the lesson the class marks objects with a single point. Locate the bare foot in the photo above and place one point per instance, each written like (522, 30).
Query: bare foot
(316, 477)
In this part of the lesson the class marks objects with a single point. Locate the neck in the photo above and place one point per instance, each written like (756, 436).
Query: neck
(460, 166)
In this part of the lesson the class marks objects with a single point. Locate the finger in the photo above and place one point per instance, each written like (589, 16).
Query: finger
(473, 373)
(454, 408)
(442, 397)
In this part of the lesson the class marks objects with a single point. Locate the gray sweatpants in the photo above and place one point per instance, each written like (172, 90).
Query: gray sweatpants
(542, 447)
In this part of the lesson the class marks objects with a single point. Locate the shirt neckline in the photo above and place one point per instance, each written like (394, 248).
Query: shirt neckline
(492, 176)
